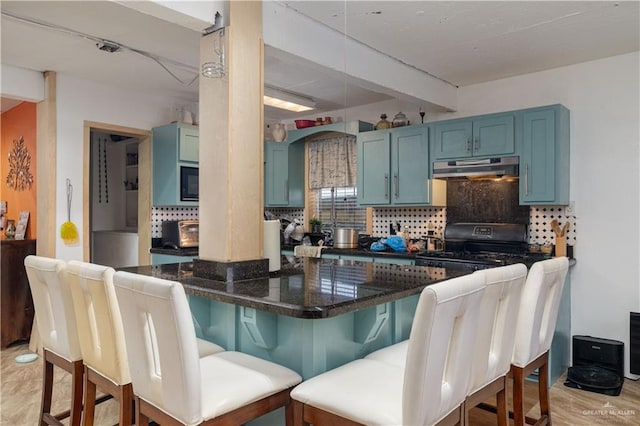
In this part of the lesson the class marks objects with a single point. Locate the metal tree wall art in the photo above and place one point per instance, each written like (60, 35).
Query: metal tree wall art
(19, 177)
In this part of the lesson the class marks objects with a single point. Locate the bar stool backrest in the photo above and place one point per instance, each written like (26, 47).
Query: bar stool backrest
(99, 322)
(495, 337)
(539, 309)
(161, 344)
(440, 348)
(53, 306)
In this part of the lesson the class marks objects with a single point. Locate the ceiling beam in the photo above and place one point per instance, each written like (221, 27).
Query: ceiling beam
(292, 32)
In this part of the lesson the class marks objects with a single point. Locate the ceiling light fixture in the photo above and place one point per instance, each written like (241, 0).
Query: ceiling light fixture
(285, 99)
(108, 46)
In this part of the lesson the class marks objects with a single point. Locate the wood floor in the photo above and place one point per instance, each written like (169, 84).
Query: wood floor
(21, 387)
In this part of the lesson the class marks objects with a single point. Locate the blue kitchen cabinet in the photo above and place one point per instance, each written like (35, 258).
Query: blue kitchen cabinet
(483, 136)
(283, 174)
(161, 259)
(374, 161)
(544, 159)
(174, 145)
(394, 260)
(394, 168)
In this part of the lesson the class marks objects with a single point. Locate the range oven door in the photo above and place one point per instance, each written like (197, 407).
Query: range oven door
(189, 185)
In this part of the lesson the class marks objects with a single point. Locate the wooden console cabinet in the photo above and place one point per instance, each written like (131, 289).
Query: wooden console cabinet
(17, 306)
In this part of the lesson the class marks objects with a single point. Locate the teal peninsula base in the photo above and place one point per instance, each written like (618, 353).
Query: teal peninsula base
(308, 346)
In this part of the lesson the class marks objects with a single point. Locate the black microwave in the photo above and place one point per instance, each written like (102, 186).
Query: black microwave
(188, 183)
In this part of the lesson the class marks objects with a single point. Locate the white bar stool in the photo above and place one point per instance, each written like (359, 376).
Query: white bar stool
(428, 389)
(173, 386)
(58, 334)
(495, 338)
(536, 323)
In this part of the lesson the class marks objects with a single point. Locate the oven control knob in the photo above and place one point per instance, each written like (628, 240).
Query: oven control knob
(439, 265)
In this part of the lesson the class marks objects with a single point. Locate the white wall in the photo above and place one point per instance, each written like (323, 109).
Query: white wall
(603, 97)
(77, 101)
(21, 83)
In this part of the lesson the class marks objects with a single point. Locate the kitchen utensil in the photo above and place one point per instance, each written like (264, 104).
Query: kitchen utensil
(561, 237)
(68, 230)
(302, 124)
(345, 238)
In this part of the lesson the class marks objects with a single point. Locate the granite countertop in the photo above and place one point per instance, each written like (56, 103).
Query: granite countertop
(362, 252)
(308, 287)
(289, 247)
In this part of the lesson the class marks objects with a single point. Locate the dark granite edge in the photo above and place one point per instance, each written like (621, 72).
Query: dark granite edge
(175, 252)
(233, 271)
(297, 311)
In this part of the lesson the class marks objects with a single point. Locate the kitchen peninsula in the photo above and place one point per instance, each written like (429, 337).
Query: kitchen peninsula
(314, 315)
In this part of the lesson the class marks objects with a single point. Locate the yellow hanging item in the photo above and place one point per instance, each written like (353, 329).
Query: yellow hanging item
(68, 230)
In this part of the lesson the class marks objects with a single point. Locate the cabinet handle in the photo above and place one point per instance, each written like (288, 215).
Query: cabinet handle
(397, 188)
(476, 144)
(526, 179)
(386, 186)
(286, 190)
(428, 190)
(468, 145)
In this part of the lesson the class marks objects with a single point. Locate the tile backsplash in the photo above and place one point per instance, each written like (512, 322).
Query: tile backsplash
(160, 214)
(416, 218)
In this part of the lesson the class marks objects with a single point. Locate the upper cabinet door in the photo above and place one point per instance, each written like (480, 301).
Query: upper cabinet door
(544, 160)
(493, 136)
(478, 137)
(453, 139)
(188, 142)
(276, 170)
(410, 165)
(374, 181)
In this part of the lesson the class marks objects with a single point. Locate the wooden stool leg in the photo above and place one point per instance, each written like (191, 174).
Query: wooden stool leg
(141, 419)
(288, 413)
(47, 388)
(89, 398)
(518, 396)
(501, 404)
(297, 408)
(126, 404)
(543, 392)
(76, 393)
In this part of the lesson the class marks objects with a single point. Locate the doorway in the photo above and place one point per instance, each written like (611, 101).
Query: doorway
(117, 194)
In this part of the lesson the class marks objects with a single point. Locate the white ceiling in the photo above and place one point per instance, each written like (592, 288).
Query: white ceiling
(459, 42)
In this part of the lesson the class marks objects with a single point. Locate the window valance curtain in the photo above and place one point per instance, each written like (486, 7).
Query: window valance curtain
(333, 162)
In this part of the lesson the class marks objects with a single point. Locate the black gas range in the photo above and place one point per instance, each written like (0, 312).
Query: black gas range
(480, 246)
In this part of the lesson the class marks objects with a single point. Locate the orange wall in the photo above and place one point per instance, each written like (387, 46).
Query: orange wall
(19, 121)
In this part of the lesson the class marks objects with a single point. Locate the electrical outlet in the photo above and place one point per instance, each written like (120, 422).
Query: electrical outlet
(571, 208)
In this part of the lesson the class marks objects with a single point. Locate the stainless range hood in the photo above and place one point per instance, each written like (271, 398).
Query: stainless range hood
(476, 168)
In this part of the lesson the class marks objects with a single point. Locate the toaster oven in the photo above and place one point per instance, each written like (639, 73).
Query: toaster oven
(180, 233)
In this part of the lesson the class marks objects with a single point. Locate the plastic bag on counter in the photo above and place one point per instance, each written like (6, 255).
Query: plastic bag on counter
(378, 246)
(396, 243)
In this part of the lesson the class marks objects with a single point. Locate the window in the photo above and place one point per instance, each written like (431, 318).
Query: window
(347, 213)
